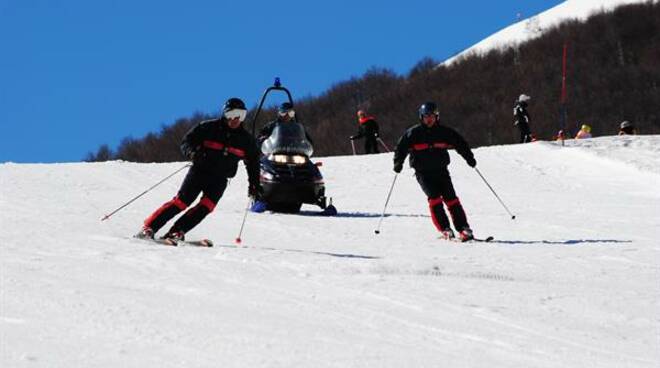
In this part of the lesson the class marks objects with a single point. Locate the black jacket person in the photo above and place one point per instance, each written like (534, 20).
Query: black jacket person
(427, 144)
(522, 119)
(368, 128)
(215, 147)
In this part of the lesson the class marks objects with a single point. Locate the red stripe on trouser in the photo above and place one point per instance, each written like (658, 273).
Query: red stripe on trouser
(452, 202)
(208, 203)
(457, 213)
(174, 202)
(433, 203)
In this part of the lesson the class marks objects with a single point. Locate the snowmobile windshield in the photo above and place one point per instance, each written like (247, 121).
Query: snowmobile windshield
(288, 138)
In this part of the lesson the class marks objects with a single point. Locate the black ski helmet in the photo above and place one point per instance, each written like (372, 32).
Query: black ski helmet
(284, 107)
(428, 108)
(233, 104)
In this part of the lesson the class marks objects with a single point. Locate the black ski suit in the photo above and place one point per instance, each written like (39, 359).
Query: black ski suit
(215, 150)
(369, 130)
(429, 157)
(521, 117)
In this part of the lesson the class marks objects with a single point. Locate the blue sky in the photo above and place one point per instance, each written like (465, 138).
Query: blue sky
(78, 74)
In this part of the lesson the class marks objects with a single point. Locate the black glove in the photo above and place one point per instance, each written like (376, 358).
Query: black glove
(255, 191)
(398, 167)
(196, 153)
(471, 162)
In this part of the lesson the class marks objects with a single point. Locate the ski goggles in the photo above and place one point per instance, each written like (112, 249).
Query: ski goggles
(236, 113)
(291, 113)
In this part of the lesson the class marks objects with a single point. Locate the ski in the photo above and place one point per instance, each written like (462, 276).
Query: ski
(473, 240)
(174, 243)
(197, 243)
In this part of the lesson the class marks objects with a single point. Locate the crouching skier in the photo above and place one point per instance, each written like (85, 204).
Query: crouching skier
(214, 147)
(427, 143)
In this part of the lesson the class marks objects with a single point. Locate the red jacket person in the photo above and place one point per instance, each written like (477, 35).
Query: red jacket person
(368, 129)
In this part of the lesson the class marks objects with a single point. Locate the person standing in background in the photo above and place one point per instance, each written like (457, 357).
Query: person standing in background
(627, 128)
(522, 120)
(367, 128)
(584, 133)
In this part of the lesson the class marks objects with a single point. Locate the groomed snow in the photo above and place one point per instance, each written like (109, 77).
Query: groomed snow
(572, 282)
(534, 26)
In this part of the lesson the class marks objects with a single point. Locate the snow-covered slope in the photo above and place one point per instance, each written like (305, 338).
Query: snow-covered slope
(534, 26)
(572, 282)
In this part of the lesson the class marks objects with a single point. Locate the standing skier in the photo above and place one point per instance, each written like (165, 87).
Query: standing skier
(427, 143)
(626, 128)
(584, 132)
(214, 147)
(521, 117)
(368, 128)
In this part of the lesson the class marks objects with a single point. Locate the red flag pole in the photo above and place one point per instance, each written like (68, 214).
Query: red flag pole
(562, 100)
(563, 76)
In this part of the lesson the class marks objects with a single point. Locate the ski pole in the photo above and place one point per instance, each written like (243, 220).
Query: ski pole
(496, 196)
(384, 145)
(377, 231)
(240, 232)
(353, 146)
(143, 193)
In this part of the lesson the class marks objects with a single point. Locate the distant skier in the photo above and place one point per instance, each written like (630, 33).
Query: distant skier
(627, 128)
(427, 143)
(214, 147)
(585, 132)
(285, 114)
(522, 119)
(367, 128)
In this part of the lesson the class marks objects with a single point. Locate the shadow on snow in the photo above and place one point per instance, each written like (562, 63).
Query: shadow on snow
(339, 255)
(359, 214)
(563, 242)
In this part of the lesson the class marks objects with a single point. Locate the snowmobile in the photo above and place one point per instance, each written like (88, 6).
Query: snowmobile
(288, 176)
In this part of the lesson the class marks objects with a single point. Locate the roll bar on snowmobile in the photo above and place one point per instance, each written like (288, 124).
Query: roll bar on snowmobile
(277, 86)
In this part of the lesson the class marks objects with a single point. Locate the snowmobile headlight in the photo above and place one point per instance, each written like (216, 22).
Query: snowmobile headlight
(298, 159)
(280, 159)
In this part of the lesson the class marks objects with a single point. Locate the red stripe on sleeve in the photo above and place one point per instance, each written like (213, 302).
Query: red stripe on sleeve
(213, 145)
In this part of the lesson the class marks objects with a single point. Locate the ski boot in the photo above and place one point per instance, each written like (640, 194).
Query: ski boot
(145, 233)
(466, 234)
(173, 237)
(447, 234)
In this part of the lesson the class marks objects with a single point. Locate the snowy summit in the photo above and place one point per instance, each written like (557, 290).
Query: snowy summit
(534, 26)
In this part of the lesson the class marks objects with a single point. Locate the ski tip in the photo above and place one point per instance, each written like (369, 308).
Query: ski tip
(488, 239)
